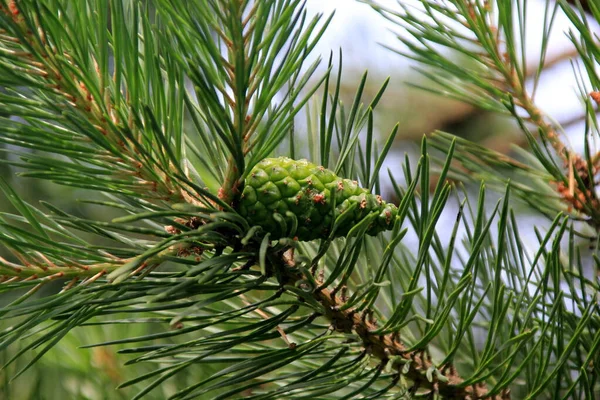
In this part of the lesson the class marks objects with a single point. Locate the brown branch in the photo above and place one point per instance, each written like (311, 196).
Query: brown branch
(230, 187)
(386, 347)
(581, 198)
(40, 271)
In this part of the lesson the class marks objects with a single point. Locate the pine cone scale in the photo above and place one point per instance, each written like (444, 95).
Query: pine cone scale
(314, 195)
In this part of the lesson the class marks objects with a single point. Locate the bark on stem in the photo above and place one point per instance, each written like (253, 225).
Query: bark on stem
(229, 189)
(384, 347)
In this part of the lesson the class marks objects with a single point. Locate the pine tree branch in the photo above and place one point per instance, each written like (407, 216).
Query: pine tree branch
(235, 40)
(10, 271)
(85, 93)
(506, 65)
(433, 295)
(230, 188)
(462, 115)
(497, 80)
(177, 245)
(387, 348)
(495, 39)
(260, 50)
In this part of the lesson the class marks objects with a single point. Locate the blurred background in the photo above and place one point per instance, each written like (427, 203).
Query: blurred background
(365, 39)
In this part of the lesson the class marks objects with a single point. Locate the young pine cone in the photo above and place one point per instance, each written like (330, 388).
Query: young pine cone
(290, 198)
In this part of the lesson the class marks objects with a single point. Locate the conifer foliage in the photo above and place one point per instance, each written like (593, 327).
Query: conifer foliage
(163, 116)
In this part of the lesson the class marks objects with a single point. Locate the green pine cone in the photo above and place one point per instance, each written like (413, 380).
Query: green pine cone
(290, 198)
